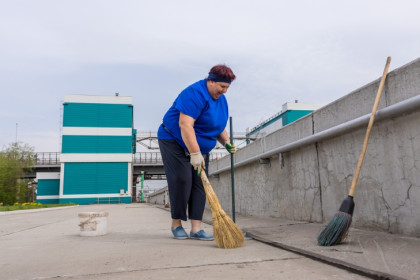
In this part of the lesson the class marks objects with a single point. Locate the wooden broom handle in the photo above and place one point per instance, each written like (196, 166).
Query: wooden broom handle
(372, 119)
(203, 176)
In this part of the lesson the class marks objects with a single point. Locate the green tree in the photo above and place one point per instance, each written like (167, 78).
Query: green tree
(14, 161)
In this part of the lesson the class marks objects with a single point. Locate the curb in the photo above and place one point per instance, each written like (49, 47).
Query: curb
(15, 212)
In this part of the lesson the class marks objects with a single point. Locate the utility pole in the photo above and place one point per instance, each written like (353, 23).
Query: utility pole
(16, 131)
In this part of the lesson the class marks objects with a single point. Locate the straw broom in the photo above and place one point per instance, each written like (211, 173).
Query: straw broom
(336, 230)
(226, 233)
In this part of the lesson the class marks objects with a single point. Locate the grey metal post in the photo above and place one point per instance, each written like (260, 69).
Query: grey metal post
(232, 174)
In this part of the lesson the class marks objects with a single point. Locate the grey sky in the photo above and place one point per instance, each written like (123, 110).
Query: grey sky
(312, 51)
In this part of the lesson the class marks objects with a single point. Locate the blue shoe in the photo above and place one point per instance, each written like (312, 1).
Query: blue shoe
(201, 235)
(179, 233)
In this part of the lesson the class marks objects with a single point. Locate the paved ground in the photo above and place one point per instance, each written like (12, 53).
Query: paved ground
(375, 254)
(47, 244)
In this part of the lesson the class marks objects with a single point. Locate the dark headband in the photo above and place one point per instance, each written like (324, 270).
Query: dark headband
(217, 78)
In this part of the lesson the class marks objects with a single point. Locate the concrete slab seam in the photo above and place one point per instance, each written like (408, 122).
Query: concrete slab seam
(331, 261)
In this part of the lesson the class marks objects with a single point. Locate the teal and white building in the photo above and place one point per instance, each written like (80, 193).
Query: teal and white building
(98, 142)
(48, 187)
(290, 113)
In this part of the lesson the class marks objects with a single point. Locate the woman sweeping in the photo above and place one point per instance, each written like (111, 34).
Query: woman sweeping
(189, 131)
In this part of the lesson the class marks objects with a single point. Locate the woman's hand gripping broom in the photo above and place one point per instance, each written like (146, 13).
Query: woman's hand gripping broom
(226, 233)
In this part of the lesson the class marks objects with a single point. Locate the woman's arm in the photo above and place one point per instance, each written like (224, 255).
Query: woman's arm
(186, 124)
(223, 138)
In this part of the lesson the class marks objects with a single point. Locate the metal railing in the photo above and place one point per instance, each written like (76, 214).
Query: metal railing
(147, 158)
(217, 155)
(47, 158)
(53, 158)
(142, 135)
(108, 200)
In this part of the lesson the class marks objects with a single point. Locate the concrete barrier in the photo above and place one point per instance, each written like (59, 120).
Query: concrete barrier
(309, 180)
(160, 197)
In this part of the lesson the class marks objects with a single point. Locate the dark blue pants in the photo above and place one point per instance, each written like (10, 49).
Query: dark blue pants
(186, 191)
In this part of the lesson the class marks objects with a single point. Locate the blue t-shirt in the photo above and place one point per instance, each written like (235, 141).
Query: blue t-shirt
(210, 116)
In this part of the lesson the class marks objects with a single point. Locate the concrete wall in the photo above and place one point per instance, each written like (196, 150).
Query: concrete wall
(309, 183)
(160, 197)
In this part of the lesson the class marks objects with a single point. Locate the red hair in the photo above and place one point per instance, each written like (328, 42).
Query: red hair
(223, 71)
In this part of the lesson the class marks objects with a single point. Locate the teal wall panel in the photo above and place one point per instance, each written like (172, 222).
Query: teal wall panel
(95, 177)
(97, 115)
(96, 144)
(293, 115)
(48, 187)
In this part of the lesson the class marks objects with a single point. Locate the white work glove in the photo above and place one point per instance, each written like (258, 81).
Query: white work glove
(197, 161)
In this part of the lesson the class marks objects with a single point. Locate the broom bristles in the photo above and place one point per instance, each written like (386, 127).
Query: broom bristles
(336, 231)
(226, 233)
